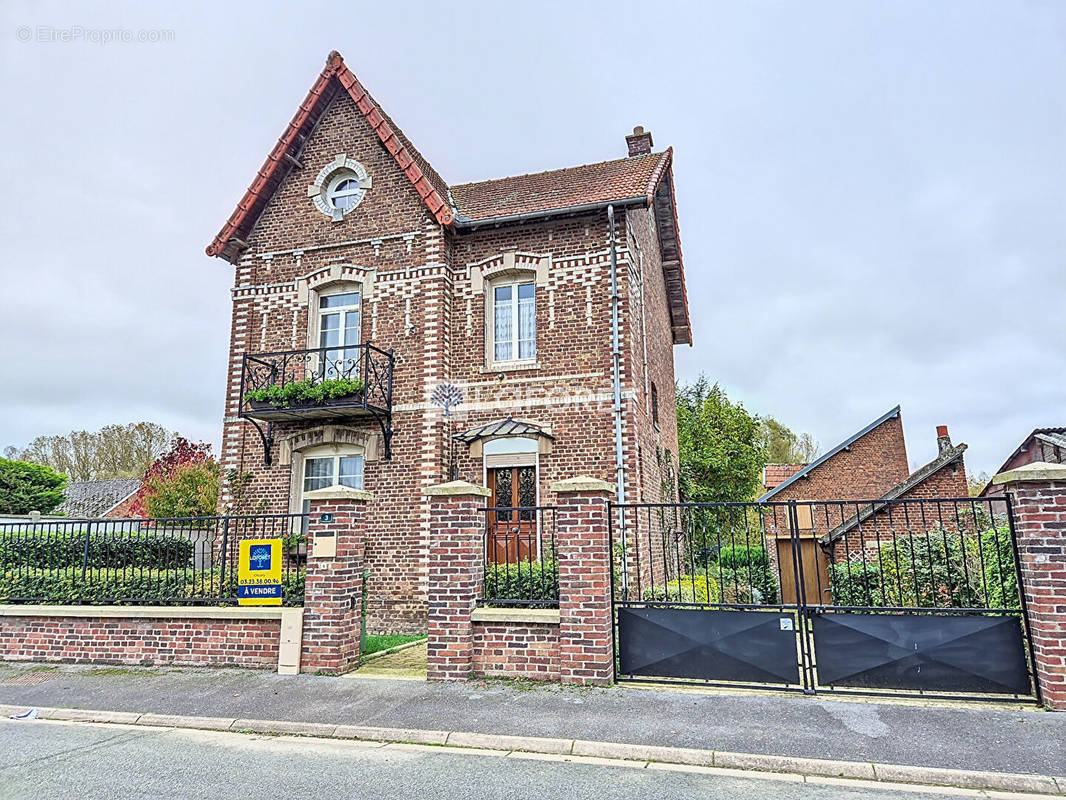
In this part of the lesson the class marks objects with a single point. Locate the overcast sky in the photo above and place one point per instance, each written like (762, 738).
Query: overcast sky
(872, 196)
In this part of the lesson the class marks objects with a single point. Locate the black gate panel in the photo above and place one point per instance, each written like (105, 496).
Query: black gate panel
(930, 652)
(706, 644)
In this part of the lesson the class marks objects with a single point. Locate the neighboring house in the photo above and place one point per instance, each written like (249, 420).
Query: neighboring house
(105, 499)
(355, 259)
(869, 465)
(1043, 444)
(773, 475)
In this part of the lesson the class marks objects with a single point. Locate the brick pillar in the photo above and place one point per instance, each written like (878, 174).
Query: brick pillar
(456, 569)
(1038, 494)
(334, 582)
(586, 640)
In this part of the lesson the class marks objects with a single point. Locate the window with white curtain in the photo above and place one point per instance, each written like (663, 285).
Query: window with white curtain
(514, 321)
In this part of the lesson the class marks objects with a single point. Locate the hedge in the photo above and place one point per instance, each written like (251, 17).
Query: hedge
(748, 570)
(56, 550)
(532, 581)
(53, 586)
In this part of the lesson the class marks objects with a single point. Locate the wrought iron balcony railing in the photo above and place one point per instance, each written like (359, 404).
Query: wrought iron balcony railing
(321, 383)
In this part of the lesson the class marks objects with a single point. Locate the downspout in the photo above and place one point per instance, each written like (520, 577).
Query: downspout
(616, 363)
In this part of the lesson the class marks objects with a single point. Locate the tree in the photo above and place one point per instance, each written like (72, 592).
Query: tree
(188, 490)
(783, 446)
(28, 487)
(114, 451)
(185, 478)
(720, 453)
(976, 484)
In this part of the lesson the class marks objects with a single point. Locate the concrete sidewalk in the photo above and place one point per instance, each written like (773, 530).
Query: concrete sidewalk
(968, 738)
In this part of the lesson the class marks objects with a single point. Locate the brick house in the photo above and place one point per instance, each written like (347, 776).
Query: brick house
(1047, 445)
(869, 465)
(480, 322)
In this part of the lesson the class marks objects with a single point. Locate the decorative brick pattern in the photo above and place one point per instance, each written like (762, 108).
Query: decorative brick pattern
(141, 642)
(586, 643)
(334, 587)
(456, 568)
(516, 650)
(1040, 528)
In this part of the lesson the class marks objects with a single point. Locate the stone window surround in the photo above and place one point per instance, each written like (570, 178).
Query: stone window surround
(341, 167)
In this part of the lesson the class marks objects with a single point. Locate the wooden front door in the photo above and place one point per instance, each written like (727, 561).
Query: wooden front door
(815, 571)
(512, 532)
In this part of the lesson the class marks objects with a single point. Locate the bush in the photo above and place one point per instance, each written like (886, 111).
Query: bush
(747, 572)
(49, 550)
(188, 490)
(308, 391)
(686, 589)
(26, 487)
(941, 570)
(100, 586)
(525, 580)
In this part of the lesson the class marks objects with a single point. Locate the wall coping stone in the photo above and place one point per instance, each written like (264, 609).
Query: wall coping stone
(545, 616)
(582, 483)
(151, 612)
(338, 493)
(456, 489)
(1037, 471)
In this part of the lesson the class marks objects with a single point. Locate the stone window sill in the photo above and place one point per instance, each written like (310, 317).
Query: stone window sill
(510, 366)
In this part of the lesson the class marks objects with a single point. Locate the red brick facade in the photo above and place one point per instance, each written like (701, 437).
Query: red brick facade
(423, 296)
(142, 642)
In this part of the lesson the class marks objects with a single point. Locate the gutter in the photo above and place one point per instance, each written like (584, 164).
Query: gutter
(466, 223)
(616, 358)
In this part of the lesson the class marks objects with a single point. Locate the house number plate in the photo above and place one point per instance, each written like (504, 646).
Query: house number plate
(325, 518)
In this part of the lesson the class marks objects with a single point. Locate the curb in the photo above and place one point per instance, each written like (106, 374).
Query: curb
(648, 755)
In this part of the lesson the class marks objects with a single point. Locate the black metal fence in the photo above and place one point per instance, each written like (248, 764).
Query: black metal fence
(186, 561)
(860, 555)
(521, 563)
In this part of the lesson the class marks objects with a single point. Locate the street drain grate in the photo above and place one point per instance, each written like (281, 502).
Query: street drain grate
(31, 678)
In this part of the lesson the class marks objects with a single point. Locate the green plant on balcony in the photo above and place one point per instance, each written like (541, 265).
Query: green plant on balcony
(305, 392)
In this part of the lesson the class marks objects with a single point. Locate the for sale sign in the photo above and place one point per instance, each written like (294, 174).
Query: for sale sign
(259, 572)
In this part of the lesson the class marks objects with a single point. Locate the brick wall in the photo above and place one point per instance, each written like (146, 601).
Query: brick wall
(144, 642)
(1040, 529)
(516, 650)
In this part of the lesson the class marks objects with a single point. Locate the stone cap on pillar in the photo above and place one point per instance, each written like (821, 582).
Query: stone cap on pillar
(338, 493)
(1037, 471)
(582, 483)
(457, 489)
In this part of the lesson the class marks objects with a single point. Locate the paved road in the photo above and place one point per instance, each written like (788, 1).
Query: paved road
(77, 760)
(975, 738)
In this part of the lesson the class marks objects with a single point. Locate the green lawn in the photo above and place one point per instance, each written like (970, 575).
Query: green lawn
(375, 644)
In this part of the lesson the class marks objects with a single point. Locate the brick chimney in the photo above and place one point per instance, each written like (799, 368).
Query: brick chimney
(943, 441)
(639, 141)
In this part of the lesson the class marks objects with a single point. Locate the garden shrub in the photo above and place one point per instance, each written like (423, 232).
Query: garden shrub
(686, 589)
(524, 580)
(747, 571)
(51, 550)
(307, 391)
(942, 570)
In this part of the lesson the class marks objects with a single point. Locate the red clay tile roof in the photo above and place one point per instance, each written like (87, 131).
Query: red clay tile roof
(648, 177)
(429, 185)
(621, 179)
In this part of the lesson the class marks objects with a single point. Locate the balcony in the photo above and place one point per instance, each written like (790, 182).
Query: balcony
(326, 383)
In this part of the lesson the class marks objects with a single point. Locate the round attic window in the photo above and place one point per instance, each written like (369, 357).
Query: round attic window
(340, 187)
